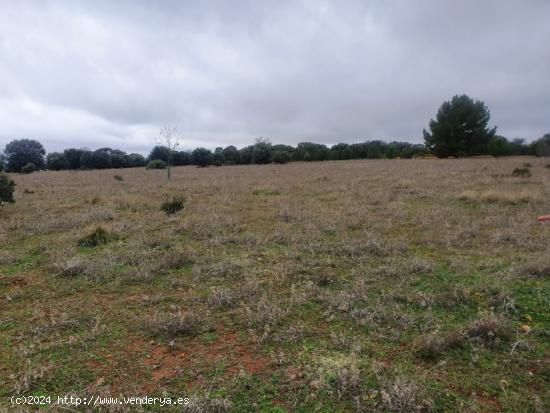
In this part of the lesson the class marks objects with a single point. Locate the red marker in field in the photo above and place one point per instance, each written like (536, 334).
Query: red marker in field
(544, 218)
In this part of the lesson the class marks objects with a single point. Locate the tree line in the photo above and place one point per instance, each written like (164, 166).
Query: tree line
(459, 129)
(27, 155)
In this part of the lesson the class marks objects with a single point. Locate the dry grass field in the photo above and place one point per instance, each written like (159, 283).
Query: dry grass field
(390, 285)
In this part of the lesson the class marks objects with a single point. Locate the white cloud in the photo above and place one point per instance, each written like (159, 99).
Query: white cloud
(112, 73)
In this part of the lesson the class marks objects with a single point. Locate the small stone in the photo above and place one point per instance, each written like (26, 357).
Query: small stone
(525, 328)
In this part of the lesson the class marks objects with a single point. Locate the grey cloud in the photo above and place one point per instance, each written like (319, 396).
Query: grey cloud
(79, 73)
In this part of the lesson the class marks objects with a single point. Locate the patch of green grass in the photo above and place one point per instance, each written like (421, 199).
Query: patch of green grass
(268, 192)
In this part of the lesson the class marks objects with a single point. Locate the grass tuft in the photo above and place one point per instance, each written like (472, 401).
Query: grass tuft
(174, 324)
(499, 196)
(172, 205)
(98, 236)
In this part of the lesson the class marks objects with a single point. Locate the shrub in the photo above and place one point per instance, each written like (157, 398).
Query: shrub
(404, 396)
(7, 187)
(430, 346)
(71, 267)
(174, 324)
(490, 329)
(28, 168)
(99, 236)
(156, 164)
(522, 172)
(221, 297)
(547, 166)
(118, 178)
(172, 205)
(264, 314)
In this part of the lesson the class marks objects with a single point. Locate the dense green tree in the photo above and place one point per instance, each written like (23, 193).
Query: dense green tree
(201, 157)
(73, 156)
(460, 128)
(56, 161)
(281, 157)
(21, 152)
(519, 147)
(308, 151)
(340, 151)
(375, 149)
(541, 147)
(118, 158)
(134, 160)
(98, 159)
(499, 146)
(358, 150)
(180, 158)
(160, 152)
(231, 155)
(280, 147)
(217, 158)
(245, 155)
(261, 151)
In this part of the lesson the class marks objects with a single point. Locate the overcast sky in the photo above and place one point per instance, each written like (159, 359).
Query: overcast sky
(111, 73)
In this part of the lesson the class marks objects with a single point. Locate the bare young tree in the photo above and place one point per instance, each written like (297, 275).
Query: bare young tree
(170, 137)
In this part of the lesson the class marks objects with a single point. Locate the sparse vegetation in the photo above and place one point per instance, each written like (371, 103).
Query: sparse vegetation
(395, 285)
(174, 324)
(522, 172)
(404, 396)
(490, 329)
(506, 197)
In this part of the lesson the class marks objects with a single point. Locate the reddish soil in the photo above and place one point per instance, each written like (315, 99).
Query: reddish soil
(489, 404)
(191, 360)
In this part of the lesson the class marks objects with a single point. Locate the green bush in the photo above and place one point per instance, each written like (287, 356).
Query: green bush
(118, 178)
(99, 236)
(28, 168)
(7, 187)
(173, 205)
(156, 164)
